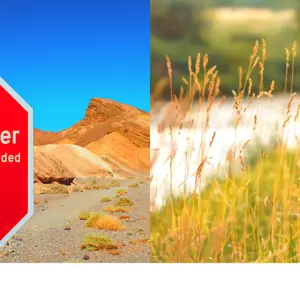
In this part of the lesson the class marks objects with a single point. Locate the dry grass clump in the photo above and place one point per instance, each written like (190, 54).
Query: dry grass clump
(253, 216)
(115, 209)
(54, 188)
(134, 185)
(140, 241)
(105, 199)
(77, 189)
(104, 222)
(75, 261)
(121, 192)
(125, 217)
(59, 189)
(84, 215)
(96, 242)
(124, 202)
(114, 183)
(95, 185)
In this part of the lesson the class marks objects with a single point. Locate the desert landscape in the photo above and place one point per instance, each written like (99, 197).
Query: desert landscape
(91, 186)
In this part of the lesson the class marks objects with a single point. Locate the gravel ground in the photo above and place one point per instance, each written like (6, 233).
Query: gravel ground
(55, 233)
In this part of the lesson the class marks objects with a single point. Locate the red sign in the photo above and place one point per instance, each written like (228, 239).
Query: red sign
(16, 162)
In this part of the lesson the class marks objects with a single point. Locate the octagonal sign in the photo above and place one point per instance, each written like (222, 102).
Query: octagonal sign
(16, 162)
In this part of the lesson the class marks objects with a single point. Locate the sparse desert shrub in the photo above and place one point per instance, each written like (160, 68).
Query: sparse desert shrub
(58, 189)
(139, 230)
(121, 192)
(114, 183)
(78, 189)
(104, 222)
(140, 241)
(97, 186)
(105, 199)
(124, 202)
(114, 209)
(84, 215)
(95, 242)
(124, 217)
(134, 185)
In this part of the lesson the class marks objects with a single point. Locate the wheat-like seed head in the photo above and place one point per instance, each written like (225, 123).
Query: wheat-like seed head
(242, 162)
(290, 103)
(294, 49)
(210, 71)
(286, 121)
(240, 77)
(169, 66)
(205, 61)
(264, 50)
(255, 48)
(197, 64)
(190, 64)
(255, 62)
(250, 86)
(249, 102)
(244, 146)
(254, 52)
(287, 56)
(297, 112)
(255, 122)
(272, 85)
(212, 139)
(181, 93)
(261, 67)
(217, 87)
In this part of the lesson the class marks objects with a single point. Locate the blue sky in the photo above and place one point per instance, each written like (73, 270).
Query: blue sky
(59, 54)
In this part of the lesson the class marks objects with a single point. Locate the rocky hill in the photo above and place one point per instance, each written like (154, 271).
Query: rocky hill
(111, 138)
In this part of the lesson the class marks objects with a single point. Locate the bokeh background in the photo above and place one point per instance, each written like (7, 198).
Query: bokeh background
(225, 30)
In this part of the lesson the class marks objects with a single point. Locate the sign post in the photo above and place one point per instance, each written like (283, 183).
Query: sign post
(16, 162)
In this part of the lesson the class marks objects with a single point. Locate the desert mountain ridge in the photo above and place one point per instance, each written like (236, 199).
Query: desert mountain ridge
(111, 138)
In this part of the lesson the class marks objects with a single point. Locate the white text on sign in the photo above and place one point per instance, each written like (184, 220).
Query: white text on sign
(9, 137)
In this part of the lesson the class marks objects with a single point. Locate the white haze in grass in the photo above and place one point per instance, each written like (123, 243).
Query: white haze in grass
(271, 114)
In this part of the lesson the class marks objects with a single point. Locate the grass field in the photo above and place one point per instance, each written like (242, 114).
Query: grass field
(249, 216)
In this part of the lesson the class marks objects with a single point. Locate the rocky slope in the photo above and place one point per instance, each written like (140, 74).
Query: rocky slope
(112, 138)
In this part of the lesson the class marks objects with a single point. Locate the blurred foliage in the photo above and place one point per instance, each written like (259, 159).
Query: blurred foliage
(180, 28)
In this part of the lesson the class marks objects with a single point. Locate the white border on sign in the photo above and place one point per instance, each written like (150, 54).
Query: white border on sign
(29, 110)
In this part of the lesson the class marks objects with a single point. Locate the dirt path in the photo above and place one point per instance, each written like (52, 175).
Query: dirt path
(55, 233)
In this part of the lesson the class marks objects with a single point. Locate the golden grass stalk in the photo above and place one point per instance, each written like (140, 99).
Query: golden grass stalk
(294, 54)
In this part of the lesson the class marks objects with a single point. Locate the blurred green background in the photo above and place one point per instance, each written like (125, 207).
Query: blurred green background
(225, 30)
